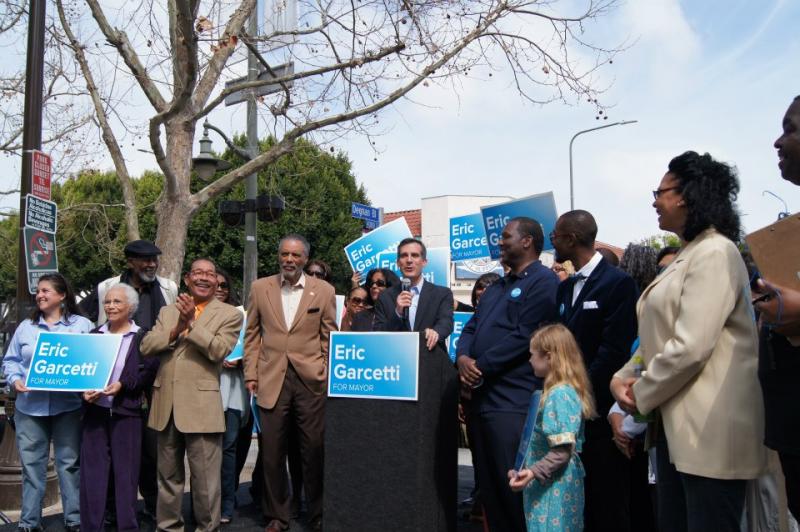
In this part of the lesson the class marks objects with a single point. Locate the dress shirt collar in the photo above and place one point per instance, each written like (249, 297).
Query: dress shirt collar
(513, 277)
(589, 267)
(419, 284)
(63, 320)
(301, 282)
(133, 330)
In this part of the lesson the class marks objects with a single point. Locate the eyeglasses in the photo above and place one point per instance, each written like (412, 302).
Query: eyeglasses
(223, 286)
(379, 283)
(203, 273)
(316, 273)
(358, 301)
(658, 192)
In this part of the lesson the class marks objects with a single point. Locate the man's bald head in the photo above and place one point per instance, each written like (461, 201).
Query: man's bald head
(581, 225)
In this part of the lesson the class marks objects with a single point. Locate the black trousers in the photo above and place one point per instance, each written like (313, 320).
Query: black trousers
(790, 463)
(696, 504)
(607, 487)
(496, 440)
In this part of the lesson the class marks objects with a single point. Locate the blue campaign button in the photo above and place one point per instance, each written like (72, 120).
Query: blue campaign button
(516, 292)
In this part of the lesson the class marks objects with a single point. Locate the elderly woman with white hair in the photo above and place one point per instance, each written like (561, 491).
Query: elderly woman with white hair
(112, 425)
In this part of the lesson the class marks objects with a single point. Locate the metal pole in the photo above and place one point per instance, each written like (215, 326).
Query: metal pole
(31, 138)
(251, 182)
(571, 193)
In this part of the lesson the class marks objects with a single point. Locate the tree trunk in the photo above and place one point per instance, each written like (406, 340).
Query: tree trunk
(175, 206)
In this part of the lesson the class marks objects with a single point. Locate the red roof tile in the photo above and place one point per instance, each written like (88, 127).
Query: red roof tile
(413, 219)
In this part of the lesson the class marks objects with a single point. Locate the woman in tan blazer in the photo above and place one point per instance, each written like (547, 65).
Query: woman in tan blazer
(699, 345)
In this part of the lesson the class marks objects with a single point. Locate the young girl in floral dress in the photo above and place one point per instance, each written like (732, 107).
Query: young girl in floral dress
(552, 474)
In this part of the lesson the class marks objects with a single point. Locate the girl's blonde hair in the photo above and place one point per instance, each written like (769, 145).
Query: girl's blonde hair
(566, 364)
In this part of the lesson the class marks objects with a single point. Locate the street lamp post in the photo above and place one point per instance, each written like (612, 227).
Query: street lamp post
(267, 208)
(571, 193)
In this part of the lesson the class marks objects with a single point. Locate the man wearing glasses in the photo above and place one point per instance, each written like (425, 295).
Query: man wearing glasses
(191, 339)
(154, 292)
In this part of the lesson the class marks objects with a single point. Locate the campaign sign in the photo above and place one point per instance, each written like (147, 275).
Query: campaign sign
(459, 320)
(72, 362)
(437, 271)
(363, 252)
(237, 353)
(374, 365)
(540, 207)
(468, 238)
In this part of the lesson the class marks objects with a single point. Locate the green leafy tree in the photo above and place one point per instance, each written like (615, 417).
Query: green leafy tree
(317, 186)
(663, 240)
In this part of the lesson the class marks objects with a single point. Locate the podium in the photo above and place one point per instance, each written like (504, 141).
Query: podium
(392, 465)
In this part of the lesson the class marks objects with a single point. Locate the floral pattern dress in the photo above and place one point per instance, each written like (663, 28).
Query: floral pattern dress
(556, 505)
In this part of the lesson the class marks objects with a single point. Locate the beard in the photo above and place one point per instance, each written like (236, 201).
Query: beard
(146, 277)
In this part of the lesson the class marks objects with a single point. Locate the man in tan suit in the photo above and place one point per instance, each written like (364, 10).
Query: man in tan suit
(289, 320)
(191, 337)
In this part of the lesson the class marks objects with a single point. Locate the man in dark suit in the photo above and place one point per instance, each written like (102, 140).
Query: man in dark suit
(430, 489)
(493, 354)
(426, 307)
(598, 304)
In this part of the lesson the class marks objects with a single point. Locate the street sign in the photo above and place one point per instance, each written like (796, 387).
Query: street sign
(370, 215)
(40, 250)
(286, 69)
(40, 176)
(40, 214)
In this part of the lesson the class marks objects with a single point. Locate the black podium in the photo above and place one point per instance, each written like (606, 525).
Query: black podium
(393, 465)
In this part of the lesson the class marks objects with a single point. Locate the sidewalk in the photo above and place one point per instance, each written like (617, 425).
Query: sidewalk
(249, 515)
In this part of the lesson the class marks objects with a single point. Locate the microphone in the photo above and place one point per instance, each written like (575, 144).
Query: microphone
(405, 286)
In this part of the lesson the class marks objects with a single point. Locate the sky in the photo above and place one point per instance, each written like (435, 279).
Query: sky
(713, 76)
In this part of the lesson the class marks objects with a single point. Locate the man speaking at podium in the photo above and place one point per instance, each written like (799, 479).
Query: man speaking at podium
(425, 470)
(416, 305)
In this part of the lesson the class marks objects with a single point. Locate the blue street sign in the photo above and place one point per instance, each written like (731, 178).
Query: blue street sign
(540, 207)
(459, 320)
(374, 365)
(363, 252)
(437, 271)
(366, 213)
(72, 362)
(468, 238)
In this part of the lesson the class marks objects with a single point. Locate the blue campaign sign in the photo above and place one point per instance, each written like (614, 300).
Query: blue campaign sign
(72, 362)
(437, 271)
(374, 365)
(540, 207)
(459, 320)
(468, 238)
(363, 252)
(366, 213)
(237, 353)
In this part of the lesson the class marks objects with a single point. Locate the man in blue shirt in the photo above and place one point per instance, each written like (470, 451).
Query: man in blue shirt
(492, 359)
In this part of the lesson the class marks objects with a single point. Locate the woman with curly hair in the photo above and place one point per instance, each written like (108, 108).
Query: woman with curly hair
(640, 262)
(698, 379)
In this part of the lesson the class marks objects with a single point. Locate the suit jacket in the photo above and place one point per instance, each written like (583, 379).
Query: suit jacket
(697, 336)
(603, 321)
(187, 383)
(499, 334)
(434, 311)
(270, 346)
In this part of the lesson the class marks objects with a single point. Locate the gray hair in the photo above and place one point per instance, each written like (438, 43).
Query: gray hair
(296, 238)
(130, 294)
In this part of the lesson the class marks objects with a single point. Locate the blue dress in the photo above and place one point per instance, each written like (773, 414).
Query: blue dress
(558, 504)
